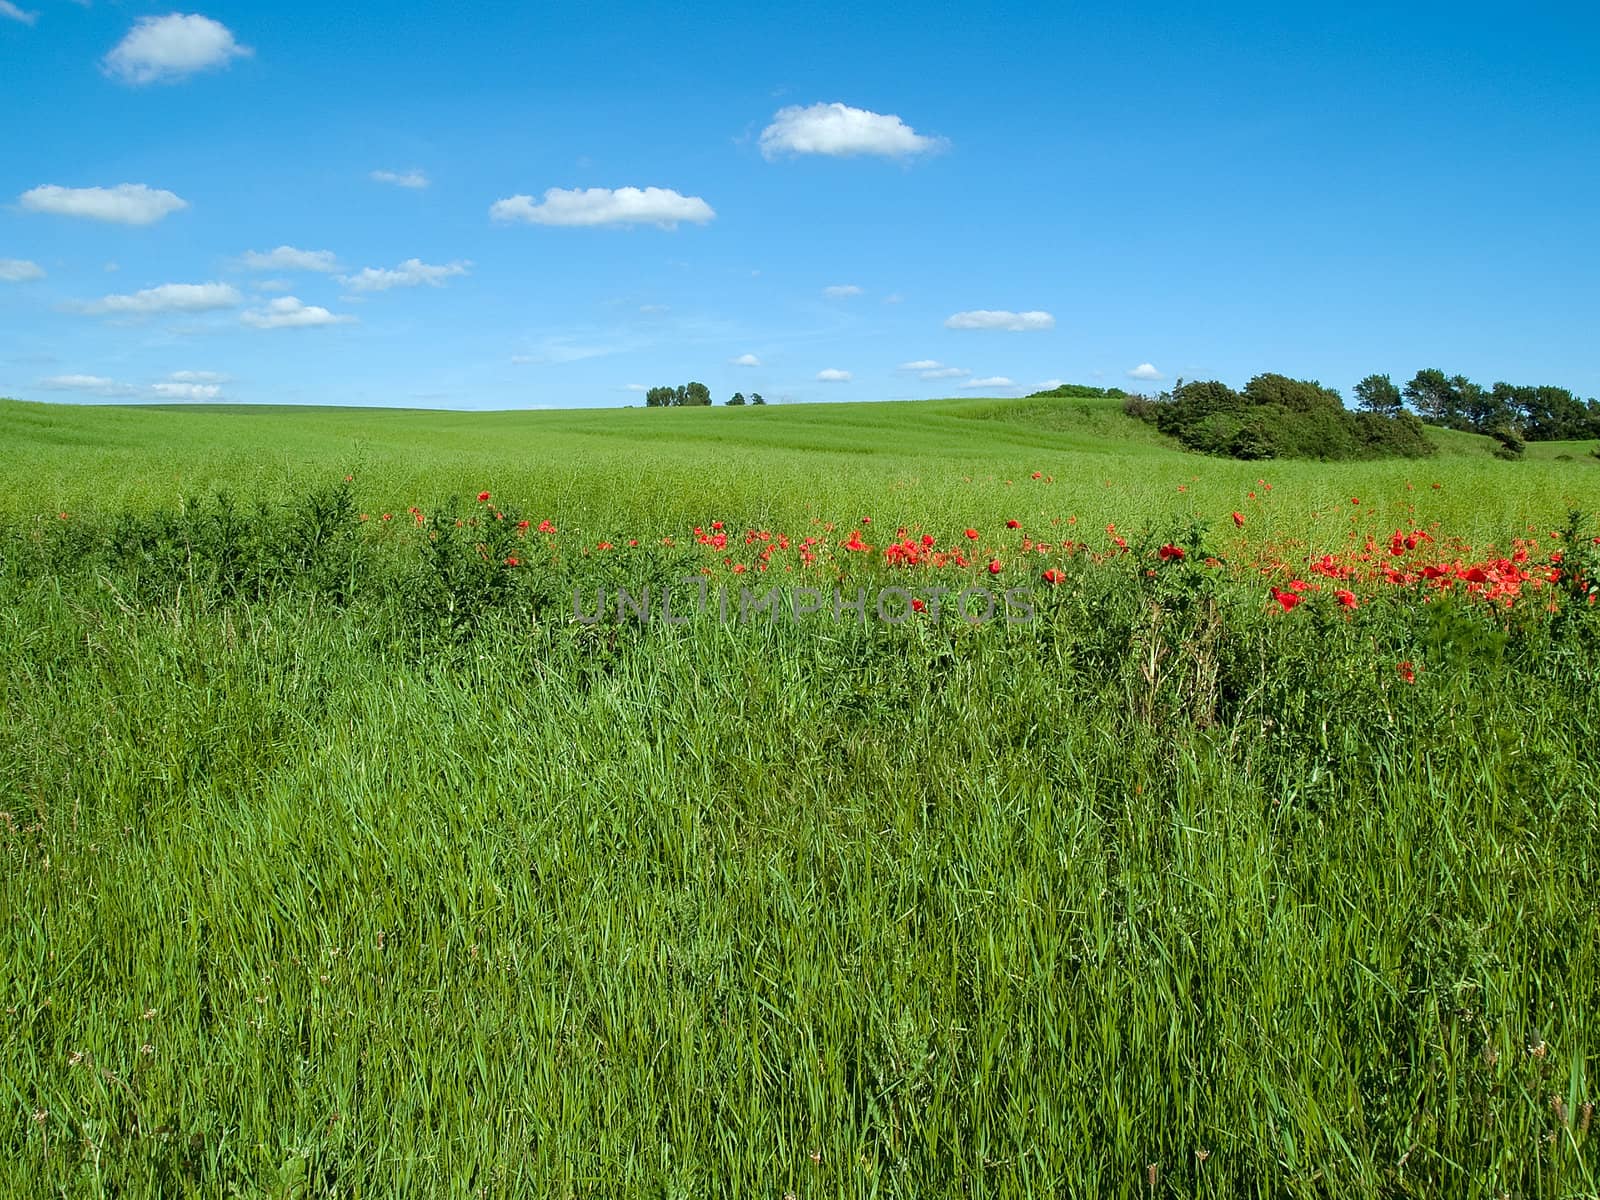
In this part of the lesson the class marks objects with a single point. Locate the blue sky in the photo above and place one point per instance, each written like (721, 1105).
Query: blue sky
(809, 201)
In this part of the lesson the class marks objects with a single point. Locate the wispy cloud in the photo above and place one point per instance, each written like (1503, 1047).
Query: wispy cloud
(19, 270)
(404, 179)
(662, 207)
(841, 291)
(8, 9)
(411, 273)
(125, 204)
(932, 368)
(992, 381)
(288, 312)
(288, 258)
(168, 297)
(1016, 322)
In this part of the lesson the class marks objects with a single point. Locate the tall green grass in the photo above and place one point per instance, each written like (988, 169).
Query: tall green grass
(335, 863)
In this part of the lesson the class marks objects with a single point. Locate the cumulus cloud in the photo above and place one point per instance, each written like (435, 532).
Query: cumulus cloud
(169, 297)
(840, 130)
(745, 360)
(983, 318)
(125, 204)
(198, 377)
(840, 291)
(833, 375)
(8, 9)
(97, 385)
(287, 312)
(405, 179)
(411, 273)
(603, 206)
(19, 270)
(287, 258)
(167, 49)
(993, 381)
(1145, 371)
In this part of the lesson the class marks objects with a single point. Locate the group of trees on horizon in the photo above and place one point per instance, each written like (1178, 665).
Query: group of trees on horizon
(693, 395)
(1533, 414)
(1274, 416)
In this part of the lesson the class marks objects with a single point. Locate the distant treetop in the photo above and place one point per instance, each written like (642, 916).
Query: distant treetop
(1079, 391)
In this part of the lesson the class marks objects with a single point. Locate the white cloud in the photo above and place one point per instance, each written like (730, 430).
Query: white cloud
(273, 285)
(8, 9)
(840, 291)
(169, 297)
(167, 49)
(983, 318)
(840, 130)
(944, 373)
(993, 381)
(198, 377)
(19, 270)
(287, 258)
(126, 204)
(287, 312)
(411, 273)
(1050, 385)
(98, 385)
(1145, 371)
(603, 206)
(635, 387)
(405, 179)
(922, 364)
(833, 375)
(745, 360)
(186, 391)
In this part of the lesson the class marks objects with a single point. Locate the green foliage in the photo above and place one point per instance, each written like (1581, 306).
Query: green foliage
(1079, 391)
(1535, 414)
(755, 398)
(1278, 417)
(1378, 394)
(736, 399)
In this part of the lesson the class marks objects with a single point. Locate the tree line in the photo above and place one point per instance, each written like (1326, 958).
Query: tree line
(693, 395)
(1533, 414)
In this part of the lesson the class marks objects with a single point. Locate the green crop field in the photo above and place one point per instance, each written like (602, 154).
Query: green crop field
(1250, 846)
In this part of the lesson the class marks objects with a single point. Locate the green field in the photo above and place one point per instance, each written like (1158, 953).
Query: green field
(339, 858)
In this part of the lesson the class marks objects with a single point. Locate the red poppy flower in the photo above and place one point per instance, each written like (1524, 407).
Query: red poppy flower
(716, 524)
(927, 539)
(1036, 474)
(994, 566)
(972, 533)
(1406, 671)
(1013, 524)
(1238, 519)
(1286, 600)
(1346, 598)
(1054, 576)
(511, 561)
(917, 605)
(483, 497)
(1169, 552)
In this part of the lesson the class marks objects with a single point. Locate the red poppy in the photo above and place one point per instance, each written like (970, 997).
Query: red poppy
(917, 605)
(927, 539)
(1013, 524)
(1169, 552)
(1346, 598)
(1406, 671)
(994, 566)
(511, 561)
(1036, 474)
(973, 534)
(716, 524)
(483, 497)
(1286, 600)
(1238, 519)
(1054, 576)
